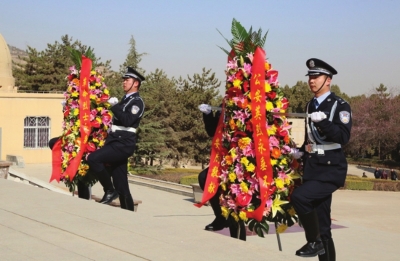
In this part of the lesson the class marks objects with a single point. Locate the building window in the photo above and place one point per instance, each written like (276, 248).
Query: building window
(36, 132)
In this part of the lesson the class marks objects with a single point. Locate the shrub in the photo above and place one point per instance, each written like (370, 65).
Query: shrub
(188, 180)
(355, 184)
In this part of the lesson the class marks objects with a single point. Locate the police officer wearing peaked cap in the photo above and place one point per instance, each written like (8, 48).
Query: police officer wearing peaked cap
(325, 167)
(112, 159)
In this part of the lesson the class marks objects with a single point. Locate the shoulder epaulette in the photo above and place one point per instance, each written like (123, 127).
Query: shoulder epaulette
(340, 100)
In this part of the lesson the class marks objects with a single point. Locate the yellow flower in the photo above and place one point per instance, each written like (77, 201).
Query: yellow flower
(267, 87)
(236, 83)
(235, 216)
(244, 161)
(75, 94)
(232, 177)
(74, 154)
(269, 106)
(267, 66)
(274, 162)
(278, 104)
(106, 91)
(92, 72)
(244, 187)
(281, 228)
(276, 205)
(284, 161)
(223, 186)
(271, 130)
(244, 142)
(225, 212)
(101, 143)
(76, 112)
(250, 167)
(93, 97)
(243, 215)
(279, 183)
(97, 84)
(78, 123)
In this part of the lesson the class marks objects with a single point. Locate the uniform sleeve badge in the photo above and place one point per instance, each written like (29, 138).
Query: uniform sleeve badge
(344, 116)
(135, 109)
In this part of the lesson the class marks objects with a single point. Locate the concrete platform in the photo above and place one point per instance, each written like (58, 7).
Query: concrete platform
(40, 224)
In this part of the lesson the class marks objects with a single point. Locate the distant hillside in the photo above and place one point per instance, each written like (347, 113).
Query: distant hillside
(15, 52)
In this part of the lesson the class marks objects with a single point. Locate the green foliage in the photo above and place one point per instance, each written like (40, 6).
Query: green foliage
(46, 70)
(356, 184)
(244, 42)
(76, 56)
(188, 180)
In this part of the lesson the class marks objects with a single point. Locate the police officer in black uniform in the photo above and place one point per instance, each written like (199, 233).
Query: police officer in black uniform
(112, 159)
(325, 167)
(211, 122)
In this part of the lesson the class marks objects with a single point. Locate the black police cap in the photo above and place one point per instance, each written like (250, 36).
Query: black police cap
(132, 73)
(318, 67)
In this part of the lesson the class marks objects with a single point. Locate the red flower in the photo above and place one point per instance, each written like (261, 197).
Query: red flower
(104, 97)
(239, 75)
(243, 200)
(285, 103)
(249, 126)
(71, 77)
(90, 147)
(95, 124)
(271, 95)
(92, 79)
(246, 86)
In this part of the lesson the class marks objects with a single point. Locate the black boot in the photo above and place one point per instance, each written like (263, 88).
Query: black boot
(219, 222)
(83, 190)
(105, 181)
(330, 254)
(126, 202)
(237, 230)
(314, 244)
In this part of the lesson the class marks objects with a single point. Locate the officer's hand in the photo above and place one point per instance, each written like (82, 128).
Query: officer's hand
(205, 108)
(317, 116)
(296, 153)
(113, 101)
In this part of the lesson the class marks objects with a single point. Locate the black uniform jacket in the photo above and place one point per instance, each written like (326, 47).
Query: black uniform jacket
(331, 166)
(127, 113)
(211, 122)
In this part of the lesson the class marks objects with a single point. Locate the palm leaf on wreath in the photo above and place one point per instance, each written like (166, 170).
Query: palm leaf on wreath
(244, 42)
(76, 56)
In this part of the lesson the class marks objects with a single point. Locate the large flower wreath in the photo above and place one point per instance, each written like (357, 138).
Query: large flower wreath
(251, 161)
(98, 120)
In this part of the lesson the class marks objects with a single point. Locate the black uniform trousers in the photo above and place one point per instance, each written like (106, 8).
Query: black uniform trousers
(314, 194)
(113, 157)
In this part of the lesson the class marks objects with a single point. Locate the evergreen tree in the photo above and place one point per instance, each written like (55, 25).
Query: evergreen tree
(193, 140)
(46, 70)
(133, 59)
(156, 139)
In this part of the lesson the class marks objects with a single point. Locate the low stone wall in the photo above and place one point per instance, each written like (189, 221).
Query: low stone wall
(4, 166)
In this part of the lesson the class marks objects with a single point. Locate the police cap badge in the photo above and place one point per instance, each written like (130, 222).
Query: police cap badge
(318, 67)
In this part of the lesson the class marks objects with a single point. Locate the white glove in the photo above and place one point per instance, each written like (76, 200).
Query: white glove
(296, 153)
(317, 116)
(205, 108)
(113, 101)
(63, 102)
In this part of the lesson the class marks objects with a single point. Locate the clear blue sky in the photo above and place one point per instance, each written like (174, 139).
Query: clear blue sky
(360, 38)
